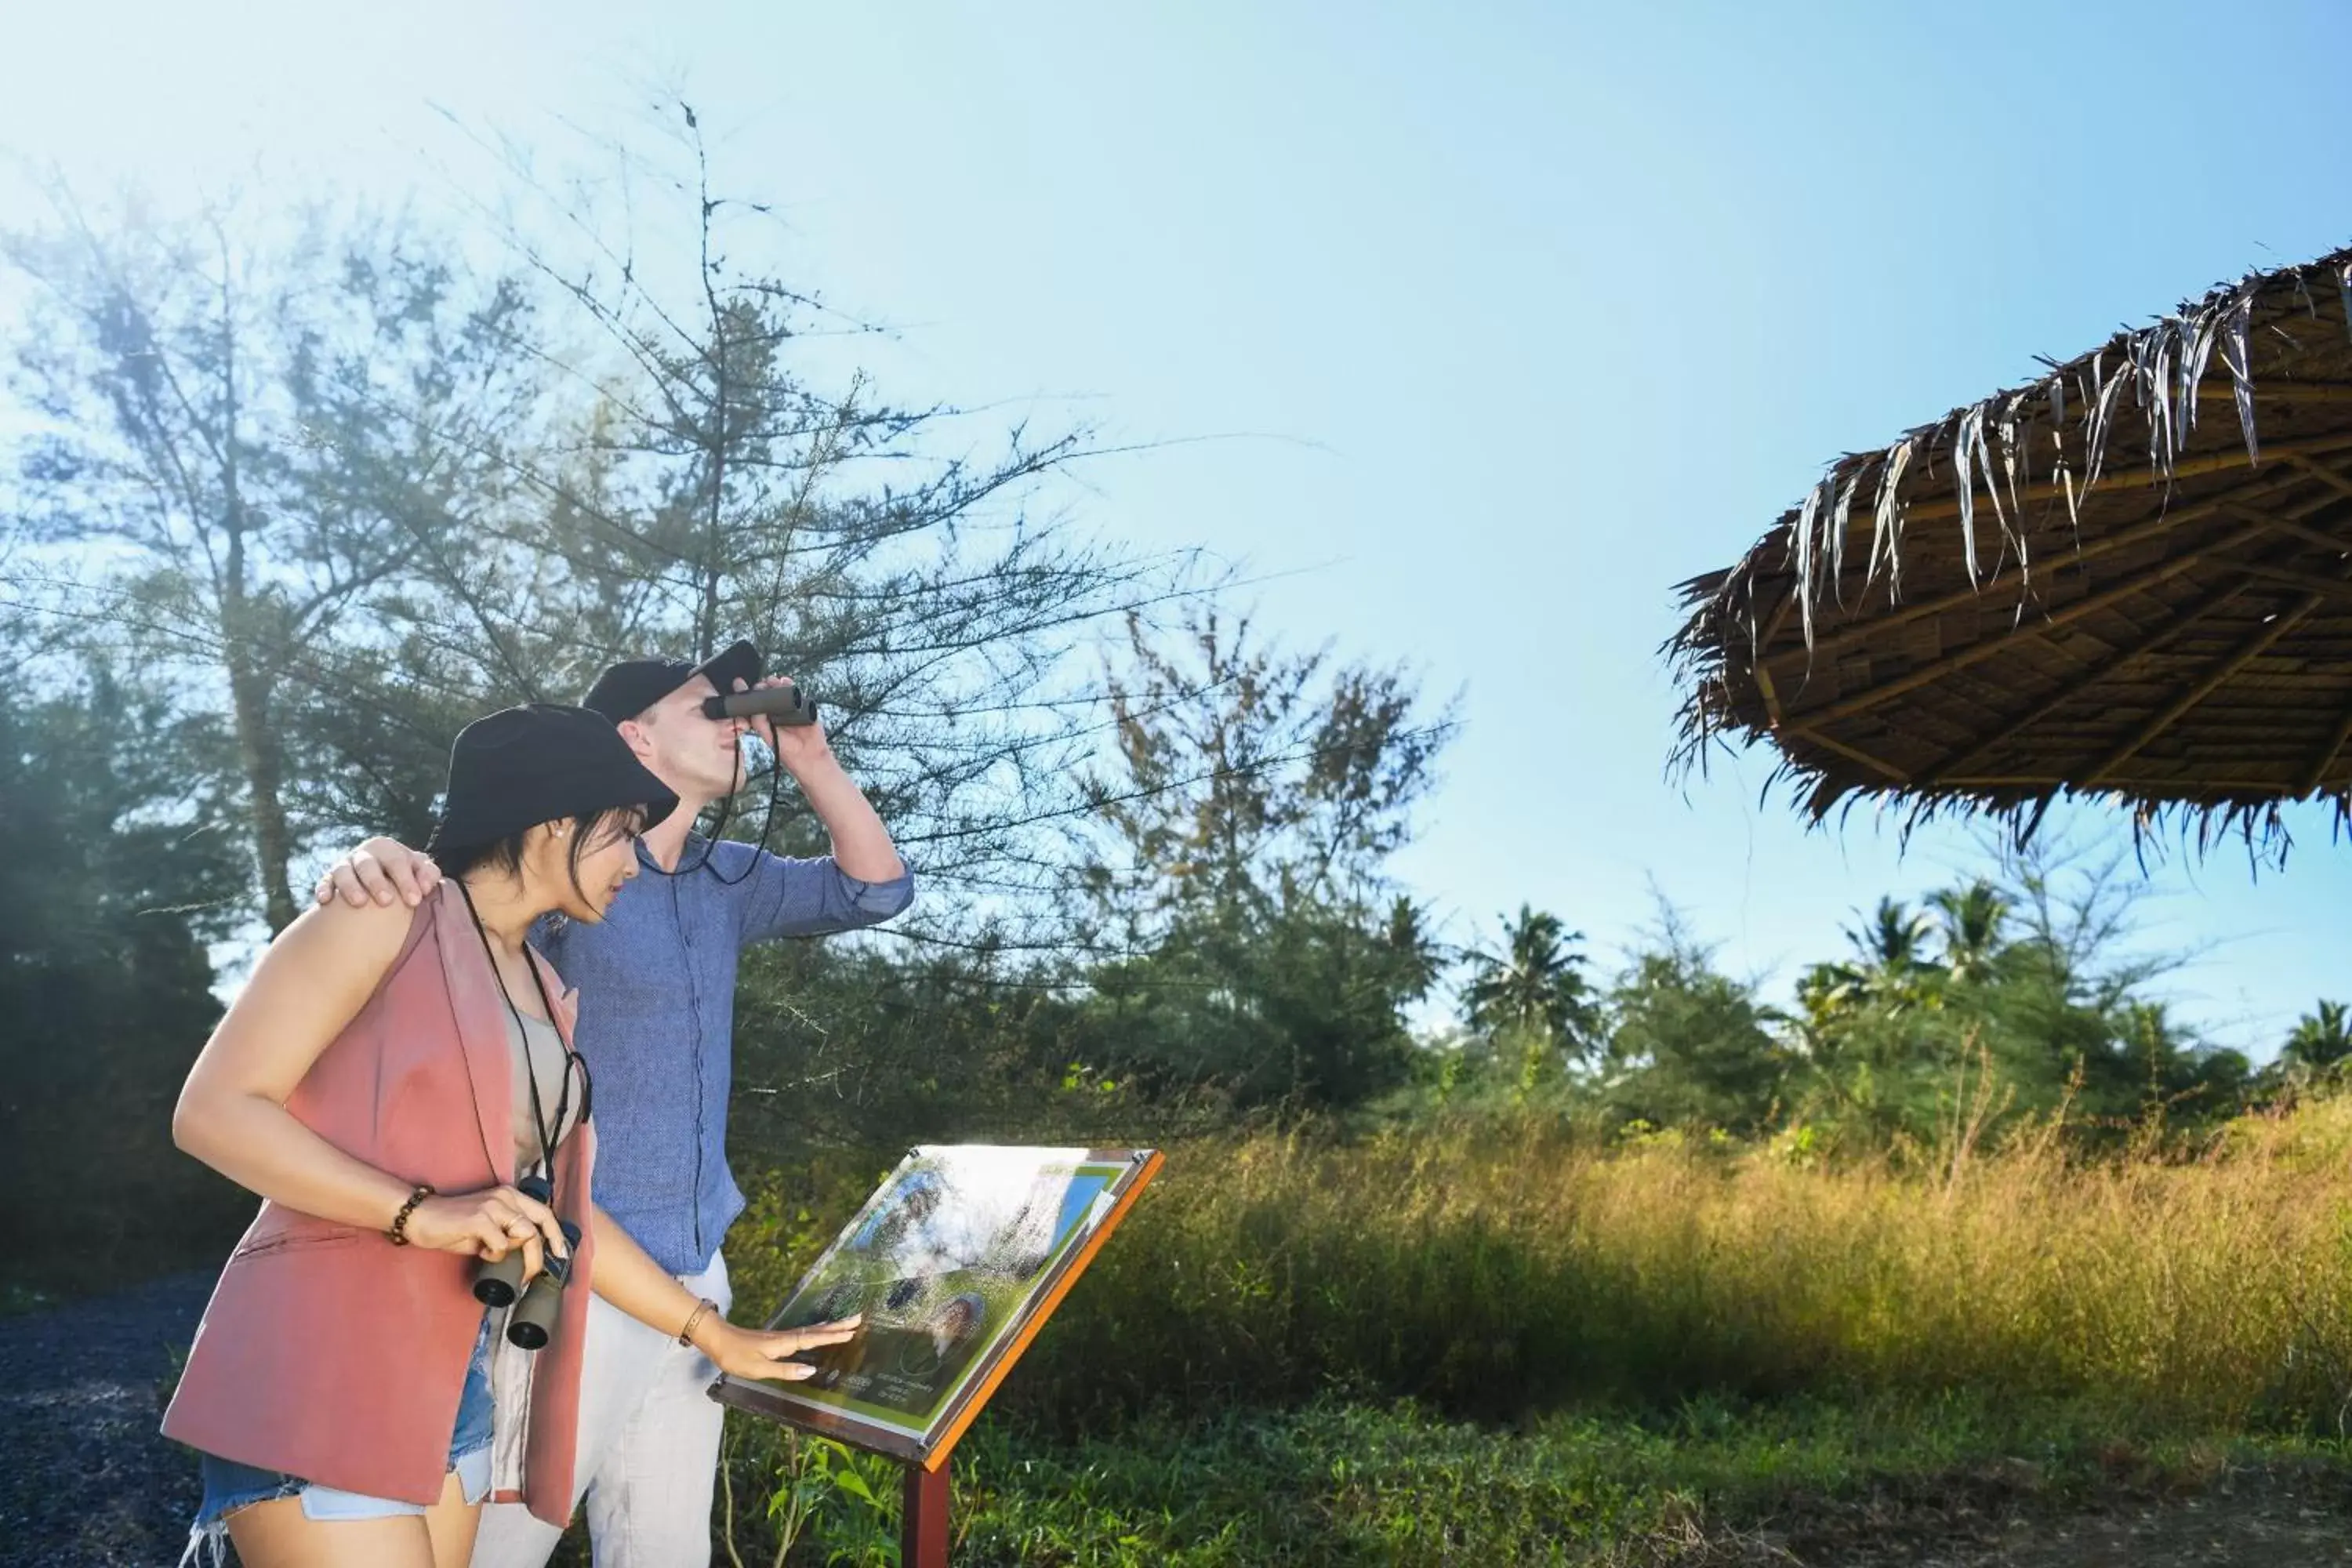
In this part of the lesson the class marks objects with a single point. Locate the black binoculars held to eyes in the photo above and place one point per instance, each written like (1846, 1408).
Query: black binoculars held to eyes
(497, 1284)
(786, 704)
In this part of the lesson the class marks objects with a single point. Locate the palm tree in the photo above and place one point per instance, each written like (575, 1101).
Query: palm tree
(1827, 998)
(1972, 919)
(1535, 985)
(2322, 1037)
(1893, 947)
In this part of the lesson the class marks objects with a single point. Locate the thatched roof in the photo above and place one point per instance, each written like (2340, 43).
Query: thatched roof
(2131, 577)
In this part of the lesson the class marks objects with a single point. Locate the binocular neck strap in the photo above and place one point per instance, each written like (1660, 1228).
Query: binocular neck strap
(571, 1060)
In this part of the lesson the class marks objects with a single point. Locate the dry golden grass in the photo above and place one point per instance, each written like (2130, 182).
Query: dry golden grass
(1498, 1270)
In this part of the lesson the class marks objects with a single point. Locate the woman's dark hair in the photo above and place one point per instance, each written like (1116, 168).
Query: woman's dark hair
(506, 854)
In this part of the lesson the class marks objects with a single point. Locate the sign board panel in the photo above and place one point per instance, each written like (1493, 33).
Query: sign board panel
(956, 1261)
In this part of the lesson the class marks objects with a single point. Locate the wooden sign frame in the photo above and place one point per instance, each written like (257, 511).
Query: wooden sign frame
(925, 1448)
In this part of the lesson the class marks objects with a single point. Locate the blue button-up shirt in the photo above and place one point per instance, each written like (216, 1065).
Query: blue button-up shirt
(657, 984)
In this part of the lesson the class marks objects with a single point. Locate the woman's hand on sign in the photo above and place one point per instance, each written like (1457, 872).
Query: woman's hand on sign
(759, 1353)
(488, 1225)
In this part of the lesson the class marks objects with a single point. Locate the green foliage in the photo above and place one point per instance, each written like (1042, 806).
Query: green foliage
(841, 1053)
(833, 1503)
(1250, 777)
(1263, 956)
(1531, 1006)
(2000, 1001)
(1334, 1482)
(114, 869)
(2321, 1039)
(2033, 983)
(1331, 1483)
(1689, 1045)
(1301, 1006)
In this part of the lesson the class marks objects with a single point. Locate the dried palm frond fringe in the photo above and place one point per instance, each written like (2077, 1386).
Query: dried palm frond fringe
(2012, 605)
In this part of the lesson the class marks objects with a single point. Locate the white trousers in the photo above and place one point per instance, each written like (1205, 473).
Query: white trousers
(647, 1456)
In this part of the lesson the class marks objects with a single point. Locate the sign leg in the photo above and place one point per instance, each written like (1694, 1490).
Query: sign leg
(923, 1518)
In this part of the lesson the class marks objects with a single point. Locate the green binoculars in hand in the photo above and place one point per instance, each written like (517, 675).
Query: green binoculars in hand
(786, 704)
(499, 1282)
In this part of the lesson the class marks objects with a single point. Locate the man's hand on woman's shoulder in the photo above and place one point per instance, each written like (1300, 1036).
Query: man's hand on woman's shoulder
(380, 871)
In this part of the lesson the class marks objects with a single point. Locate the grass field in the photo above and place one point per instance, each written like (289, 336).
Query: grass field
(1499, 1343)
(1337, 1483)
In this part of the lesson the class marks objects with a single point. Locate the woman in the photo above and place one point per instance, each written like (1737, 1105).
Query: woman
(382, 1081)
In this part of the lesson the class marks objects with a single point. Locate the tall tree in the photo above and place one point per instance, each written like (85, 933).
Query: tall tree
(1248, 775)
(1244, 856)
(1970, 920)
(1890, 951)
(1689, 1043)
(2321, 1038)
(1534, 993)
(238, 444)
(728, 478)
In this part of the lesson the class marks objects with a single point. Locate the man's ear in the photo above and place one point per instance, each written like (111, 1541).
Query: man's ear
(633, 731)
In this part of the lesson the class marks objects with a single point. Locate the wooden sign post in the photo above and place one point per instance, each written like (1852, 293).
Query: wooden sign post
(923, 1518)
(955, 1262)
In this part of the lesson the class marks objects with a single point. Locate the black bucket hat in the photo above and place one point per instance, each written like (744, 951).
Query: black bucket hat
(628, 689)
(519, 766)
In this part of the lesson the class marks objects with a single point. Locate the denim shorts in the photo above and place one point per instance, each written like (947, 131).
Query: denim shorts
(229, 1486)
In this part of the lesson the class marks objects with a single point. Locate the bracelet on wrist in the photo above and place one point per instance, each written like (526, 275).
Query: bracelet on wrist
(397, 1231)
(693, 1319)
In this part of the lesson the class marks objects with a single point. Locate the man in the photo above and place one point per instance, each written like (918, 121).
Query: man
(657, 984)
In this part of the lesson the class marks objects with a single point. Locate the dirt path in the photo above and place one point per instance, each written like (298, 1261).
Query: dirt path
(2272, 1532)
(2300, 1519)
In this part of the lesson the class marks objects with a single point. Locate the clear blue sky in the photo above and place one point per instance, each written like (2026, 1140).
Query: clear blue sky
(1534, 310)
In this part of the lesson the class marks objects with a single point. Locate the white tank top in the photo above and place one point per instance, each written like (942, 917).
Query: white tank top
(537, 1049)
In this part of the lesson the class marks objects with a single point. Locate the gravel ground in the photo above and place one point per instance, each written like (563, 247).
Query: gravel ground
(85, 1482)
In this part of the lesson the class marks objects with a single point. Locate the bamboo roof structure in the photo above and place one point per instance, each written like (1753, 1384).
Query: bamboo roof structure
(2130, 578)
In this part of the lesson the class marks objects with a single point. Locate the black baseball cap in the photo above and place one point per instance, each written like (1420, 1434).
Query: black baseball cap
(520, 766)
(628, 689)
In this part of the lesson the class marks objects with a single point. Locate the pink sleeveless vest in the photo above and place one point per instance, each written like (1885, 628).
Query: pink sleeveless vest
(329, 1353)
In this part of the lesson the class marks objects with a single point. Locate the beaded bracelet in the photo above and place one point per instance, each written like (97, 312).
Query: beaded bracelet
(685, 1334)
(397, 1231)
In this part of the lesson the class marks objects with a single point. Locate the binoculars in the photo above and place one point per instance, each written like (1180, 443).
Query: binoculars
(786, 704)
(497, 1284)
